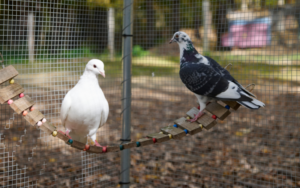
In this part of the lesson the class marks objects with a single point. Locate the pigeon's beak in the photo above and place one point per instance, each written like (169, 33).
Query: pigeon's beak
(103, 74)
(172, 40)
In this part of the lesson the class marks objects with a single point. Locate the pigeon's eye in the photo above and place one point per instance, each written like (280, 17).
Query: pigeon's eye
(176, 36)
(95, 66)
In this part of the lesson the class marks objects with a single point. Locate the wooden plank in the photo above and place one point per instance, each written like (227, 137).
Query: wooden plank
(22, 104)
(193, 128)
(145, 141)
(113, 148)
(62, 136)
(49, 126)
(78, 145)
(7, 73)
(159, 137)
(206, 120)
(233, 105)
(192, 112)
(95, 149)
(10, 92)
(129, 145)
(218, 110)
(45, 129)
(34, 116)
(175, 132)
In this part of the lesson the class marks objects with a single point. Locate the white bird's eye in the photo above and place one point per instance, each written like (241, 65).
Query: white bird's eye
(95, 66)
(177, 36)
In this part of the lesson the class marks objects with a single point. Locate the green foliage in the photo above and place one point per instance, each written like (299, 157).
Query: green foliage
(138, 51)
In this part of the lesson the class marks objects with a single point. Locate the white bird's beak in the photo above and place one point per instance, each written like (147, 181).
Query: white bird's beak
(103, 74)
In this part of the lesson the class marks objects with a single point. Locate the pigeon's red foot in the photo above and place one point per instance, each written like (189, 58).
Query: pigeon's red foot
(66, 133)
(104, 148)
(196, 117)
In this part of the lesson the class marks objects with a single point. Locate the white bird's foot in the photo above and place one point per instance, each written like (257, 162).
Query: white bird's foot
(196, 117)
(66, 133)
(104, 149)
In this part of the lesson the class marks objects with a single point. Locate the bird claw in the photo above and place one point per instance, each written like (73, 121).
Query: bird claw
(104, 148)
(192, 120)
(196, 117)
(66, 133)
(97, 144)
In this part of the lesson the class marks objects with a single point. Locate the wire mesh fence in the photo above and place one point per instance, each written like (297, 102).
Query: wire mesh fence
(50, 42)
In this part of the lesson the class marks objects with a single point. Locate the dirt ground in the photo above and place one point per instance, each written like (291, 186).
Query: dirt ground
(248, 149)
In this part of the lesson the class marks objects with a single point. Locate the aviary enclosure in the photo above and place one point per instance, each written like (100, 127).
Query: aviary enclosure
(50, 42)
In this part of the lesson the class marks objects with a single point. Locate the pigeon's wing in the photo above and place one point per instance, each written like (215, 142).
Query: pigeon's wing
(104, 114)
(225, 73)
(66, 104)
(202, 79)
(104, 108)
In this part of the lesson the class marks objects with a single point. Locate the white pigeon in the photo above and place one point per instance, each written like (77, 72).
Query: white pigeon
(85, 109)
(207, 79)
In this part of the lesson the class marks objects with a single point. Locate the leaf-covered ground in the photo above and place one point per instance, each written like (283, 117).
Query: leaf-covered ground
(248, 149)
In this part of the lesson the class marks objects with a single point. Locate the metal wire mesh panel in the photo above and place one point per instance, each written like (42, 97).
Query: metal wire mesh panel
(49, 43)
(251, 148)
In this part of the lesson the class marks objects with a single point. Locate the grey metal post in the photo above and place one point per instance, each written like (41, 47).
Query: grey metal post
(126, 104)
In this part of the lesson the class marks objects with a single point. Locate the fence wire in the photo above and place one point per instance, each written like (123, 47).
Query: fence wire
(49, 43)
(248, 149)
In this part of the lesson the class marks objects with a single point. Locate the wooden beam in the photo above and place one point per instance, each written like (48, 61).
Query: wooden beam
(10, 92)
(218, 110)
(7, 73)
(49, 126)
(144, 142)
(159, 137)
(175, 132)
(113, 148)
(34, 116)
(22, 104)
(78, 145)
(95, 149)
(206, 120)
(233, 105)
(193, 128)
(62, 137)
(45, 129)
(129, 145)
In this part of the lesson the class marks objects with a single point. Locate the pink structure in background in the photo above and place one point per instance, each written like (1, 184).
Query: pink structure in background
(247, 34)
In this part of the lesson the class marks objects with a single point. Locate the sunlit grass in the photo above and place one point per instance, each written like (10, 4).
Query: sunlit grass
(244, 66)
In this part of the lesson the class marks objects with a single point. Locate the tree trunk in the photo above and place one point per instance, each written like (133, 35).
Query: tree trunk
(111, 32)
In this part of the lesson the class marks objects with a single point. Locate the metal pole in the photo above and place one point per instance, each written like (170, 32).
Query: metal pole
(126, 104)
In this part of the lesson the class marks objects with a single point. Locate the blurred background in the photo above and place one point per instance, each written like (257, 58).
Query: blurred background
(50, 42)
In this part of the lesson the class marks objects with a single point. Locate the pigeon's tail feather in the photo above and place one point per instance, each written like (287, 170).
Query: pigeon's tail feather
(248, 92)
(254, 104)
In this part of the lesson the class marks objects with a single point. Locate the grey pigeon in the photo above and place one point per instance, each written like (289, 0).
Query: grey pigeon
(85, 109)
(207, 79)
